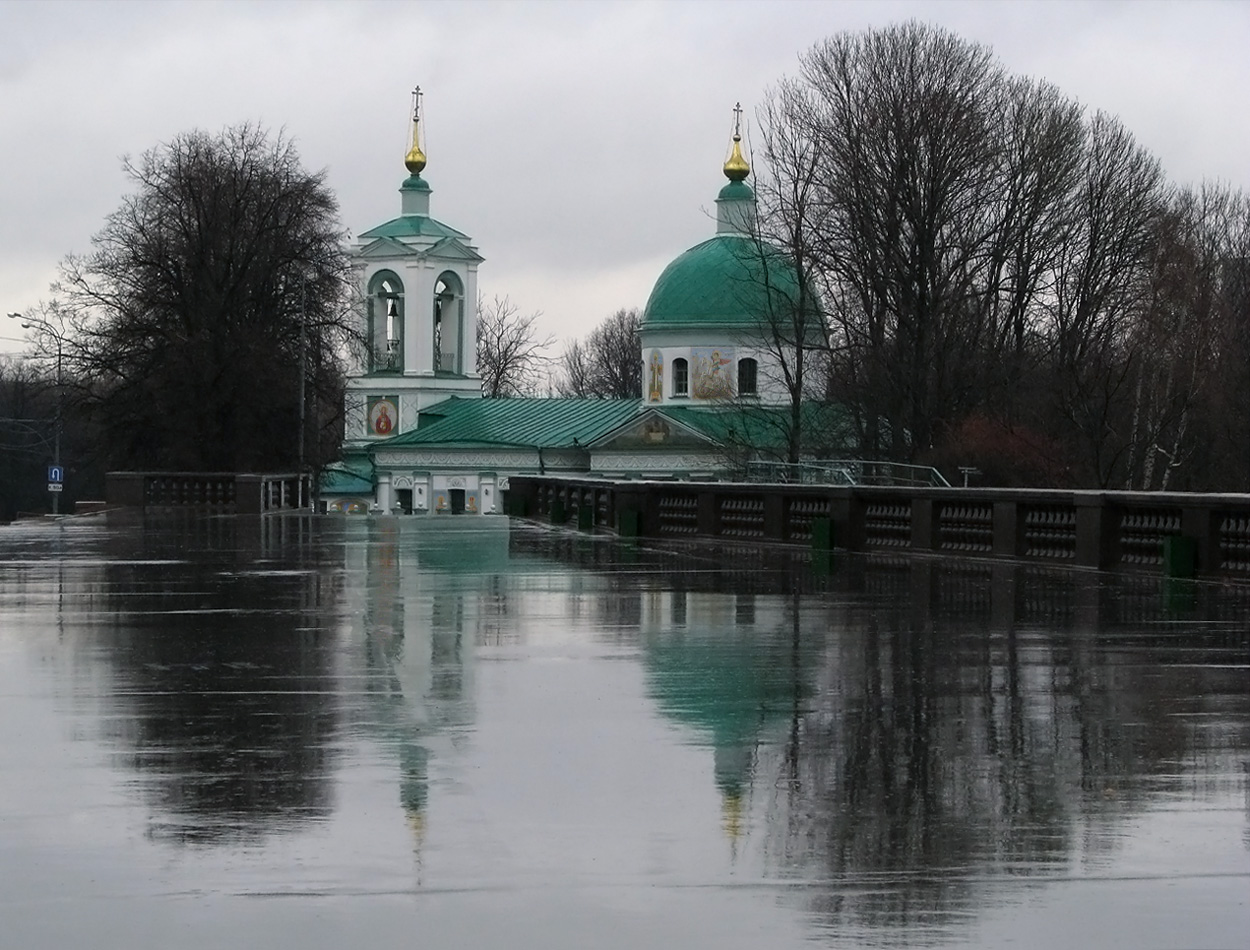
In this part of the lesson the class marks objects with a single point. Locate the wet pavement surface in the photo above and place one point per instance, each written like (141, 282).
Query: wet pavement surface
(328, 732)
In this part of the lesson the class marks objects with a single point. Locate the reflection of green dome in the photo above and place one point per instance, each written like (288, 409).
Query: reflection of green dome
(732, 688)
(731, 281)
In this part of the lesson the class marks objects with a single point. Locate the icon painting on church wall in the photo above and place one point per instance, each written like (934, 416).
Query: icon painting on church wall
(383, 415)
(712, 370)
(655, 376)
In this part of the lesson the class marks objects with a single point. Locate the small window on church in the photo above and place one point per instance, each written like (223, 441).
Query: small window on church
(747, 382)
(681, 378)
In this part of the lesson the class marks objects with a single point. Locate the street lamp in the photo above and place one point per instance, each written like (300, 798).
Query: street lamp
(36, 323)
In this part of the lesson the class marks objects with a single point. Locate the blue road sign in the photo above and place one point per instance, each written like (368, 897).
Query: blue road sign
(56, 474)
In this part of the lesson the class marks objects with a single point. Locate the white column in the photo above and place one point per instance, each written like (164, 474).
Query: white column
(419, 319)
(384, 499)
(469, 357)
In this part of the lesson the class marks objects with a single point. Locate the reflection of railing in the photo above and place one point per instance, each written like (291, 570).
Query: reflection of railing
(1176, 532)
(844, 472)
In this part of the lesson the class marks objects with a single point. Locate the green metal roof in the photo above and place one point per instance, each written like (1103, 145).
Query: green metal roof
(351, 476)
(413, 225)
(763, 427)
(731, 282)
(546, 422)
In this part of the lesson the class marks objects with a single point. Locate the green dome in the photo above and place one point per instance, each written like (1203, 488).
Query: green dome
(729, 282)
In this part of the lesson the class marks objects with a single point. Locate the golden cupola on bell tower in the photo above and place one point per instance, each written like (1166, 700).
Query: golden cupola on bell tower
(414, 161)
(415, 191)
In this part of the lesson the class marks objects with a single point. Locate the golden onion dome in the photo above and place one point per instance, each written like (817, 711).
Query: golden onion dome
(736, 167)
(414, 161)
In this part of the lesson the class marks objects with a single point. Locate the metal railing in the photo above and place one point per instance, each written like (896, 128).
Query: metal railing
(844, 472)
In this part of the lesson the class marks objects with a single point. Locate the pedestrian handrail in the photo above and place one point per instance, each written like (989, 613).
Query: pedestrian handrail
(844, 472)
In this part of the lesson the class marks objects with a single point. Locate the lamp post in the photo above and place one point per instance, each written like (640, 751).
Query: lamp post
(37, 323)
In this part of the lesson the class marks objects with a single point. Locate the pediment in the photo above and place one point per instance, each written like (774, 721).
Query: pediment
(652, 430)
(385, 247)
(452, 249)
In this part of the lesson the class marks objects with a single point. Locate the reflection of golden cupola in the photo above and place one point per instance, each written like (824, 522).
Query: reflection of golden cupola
(731, 815)
(736, 167)
(414, 161)
(416, 825)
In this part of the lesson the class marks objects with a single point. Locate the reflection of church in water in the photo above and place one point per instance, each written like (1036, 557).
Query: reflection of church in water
(417, 611)
(419, 437)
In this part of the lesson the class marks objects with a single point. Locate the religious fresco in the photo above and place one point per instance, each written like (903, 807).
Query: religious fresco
(348, 506)
(383, 415)
(712, 370)
(655, 376)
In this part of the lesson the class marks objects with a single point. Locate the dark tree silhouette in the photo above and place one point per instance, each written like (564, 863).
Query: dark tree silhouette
(209, 291)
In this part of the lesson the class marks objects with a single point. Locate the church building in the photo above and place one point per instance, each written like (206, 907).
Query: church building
(421, 439)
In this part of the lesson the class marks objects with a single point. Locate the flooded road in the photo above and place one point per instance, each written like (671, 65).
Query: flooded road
(414, 732)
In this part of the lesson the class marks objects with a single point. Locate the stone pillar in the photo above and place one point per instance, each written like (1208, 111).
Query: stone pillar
(774, 514)
(630, 505)
(248, 498)
(124, 489)
(709, 513)
(1008, 529)
(1097, 531)
(924, 535)
(846, 510)
(1202, 525)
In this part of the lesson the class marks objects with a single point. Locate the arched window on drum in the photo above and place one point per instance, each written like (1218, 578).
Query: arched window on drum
(681, 377)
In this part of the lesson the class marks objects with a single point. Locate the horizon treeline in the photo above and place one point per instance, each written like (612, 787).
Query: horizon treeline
(1009, 279)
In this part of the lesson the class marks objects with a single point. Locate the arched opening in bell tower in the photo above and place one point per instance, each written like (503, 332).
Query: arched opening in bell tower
(386, 323)
(448, 343)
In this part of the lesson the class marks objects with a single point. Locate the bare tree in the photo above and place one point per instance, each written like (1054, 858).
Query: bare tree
(1224, 424)
(607, 364)
(792, 327)
(1101, 288)
(1189, 427)
(510, 353)
(225, 268)
(900, 127)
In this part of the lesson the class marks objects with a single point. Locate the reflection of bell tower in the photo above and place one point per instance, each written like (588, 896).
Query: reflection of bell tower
(413, 792)
(418, 278)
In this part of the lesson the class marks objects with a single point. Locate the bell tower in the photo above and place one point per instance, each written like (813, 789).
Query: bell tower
(418, 280)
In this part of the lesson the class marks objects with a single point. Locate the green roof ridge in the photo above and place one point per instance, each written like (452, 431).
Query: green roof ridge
(548, 422)
(413, 225)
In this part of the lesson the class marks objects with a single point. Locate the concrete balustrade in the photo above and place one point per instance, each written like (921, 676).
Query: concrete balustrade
(242, 493)
(1175, 532)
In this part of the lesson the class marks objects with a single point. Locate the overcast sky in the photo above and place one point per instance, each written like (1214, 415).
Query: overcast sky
(578, 144)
